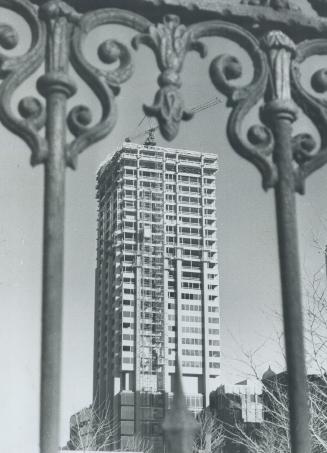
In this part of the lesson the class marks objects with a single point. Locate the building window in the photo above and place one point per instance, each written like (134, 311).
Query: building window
(128, 302)
(192, 364)
(197, 341)
(212, 286)
(214, 331)
(214, 365)
(170, 177)
(128, 348)
(192, 352)
(191, 307)
(128, 360)
(170, 187)
(190, 296)
(189, 329)
(191, 285)
(192, 318)
(214, 320)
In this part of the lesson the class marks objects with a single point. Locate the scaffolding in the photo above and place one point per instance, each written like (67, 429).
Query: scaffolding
(151, 249)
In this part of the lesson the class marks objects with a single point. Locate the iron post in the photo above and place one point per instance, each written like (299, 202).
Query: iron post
(291, 281)
(279, 114)
(56, 87)
(179, 425)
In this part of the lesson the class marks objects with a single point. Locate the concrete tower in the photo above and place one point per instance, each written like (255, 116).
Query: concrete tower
(156, 284)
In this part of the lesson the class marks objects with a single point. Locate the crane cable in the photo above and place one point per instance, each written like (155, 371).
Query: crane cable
(196, 109)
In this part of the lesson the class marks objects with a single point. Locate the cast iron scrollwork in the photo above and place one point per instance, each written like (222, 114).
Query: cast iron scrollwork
(14, 71)
(276, 4)
(170, 41)
(104, 83)
(319, 5)
(305, 149)
(258, 146)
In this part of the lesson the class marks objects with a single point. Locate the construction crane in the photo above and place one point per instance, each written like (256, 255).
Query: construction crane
(150, 132)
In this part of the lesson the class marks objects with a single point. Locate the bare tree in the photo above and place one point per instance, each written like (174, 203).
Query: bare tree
(93, 432)
(138, 443)
(272, 436)
(90, 432)
(210, 435)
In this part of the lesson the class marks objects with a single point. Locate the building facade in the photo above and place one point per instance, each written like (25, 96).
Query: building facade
(157, 289)
(241, 402)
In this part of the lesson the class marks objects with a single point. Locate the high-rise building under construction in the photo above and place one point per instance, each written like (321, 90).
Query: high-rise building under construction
(157, 295)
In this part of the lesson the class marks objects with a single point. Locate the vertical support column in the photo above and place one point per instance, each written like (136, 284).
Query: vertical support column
(166, 344)
(165, 271)
(280, 113)
(205, 297)
(179, 323)
(179, 425)
(205, 314)
(137, 308)
(137, 353)
(291, 286)
(178, 280)
(56, 87)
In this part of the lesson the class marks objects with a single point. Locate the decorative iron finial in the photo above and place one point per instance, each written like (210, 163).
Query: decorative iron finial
(179, 425)
(170, 41)
(280, 49)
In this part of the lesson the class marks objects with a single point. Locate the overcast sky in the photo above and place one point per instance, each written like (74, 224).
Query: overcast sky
(249, 280)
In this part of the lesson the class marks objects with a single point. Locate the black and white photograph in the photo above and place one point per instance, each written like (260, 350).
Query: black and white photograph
(163, 228)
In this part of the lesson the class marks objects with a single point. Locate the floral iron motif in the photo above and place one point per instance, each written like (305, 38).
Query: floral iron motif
(105, 84)
(170, 41)
(14, 71)
(258, 145)
(280, 50)
(308, 155)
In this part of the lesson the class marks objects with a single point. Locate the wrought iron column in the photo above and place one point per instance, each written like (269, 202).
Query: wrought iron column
(179, 425)
(282, 119)
(56, 87)
(279, 114)
(284, 162)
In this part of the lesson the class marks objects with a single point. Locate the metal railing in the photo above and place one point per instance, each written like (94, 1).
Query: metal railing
(59, 29)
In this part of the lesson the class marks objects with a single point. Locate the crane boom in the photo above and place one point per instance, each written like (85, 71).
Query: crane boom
(150, 131)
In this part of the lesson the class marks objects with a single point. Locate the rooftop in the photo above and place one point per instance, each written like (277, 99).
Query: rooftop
(161, 149)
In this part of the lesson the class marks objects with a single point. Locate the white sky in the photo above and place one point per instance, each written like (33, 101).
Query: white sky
(247, 247)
